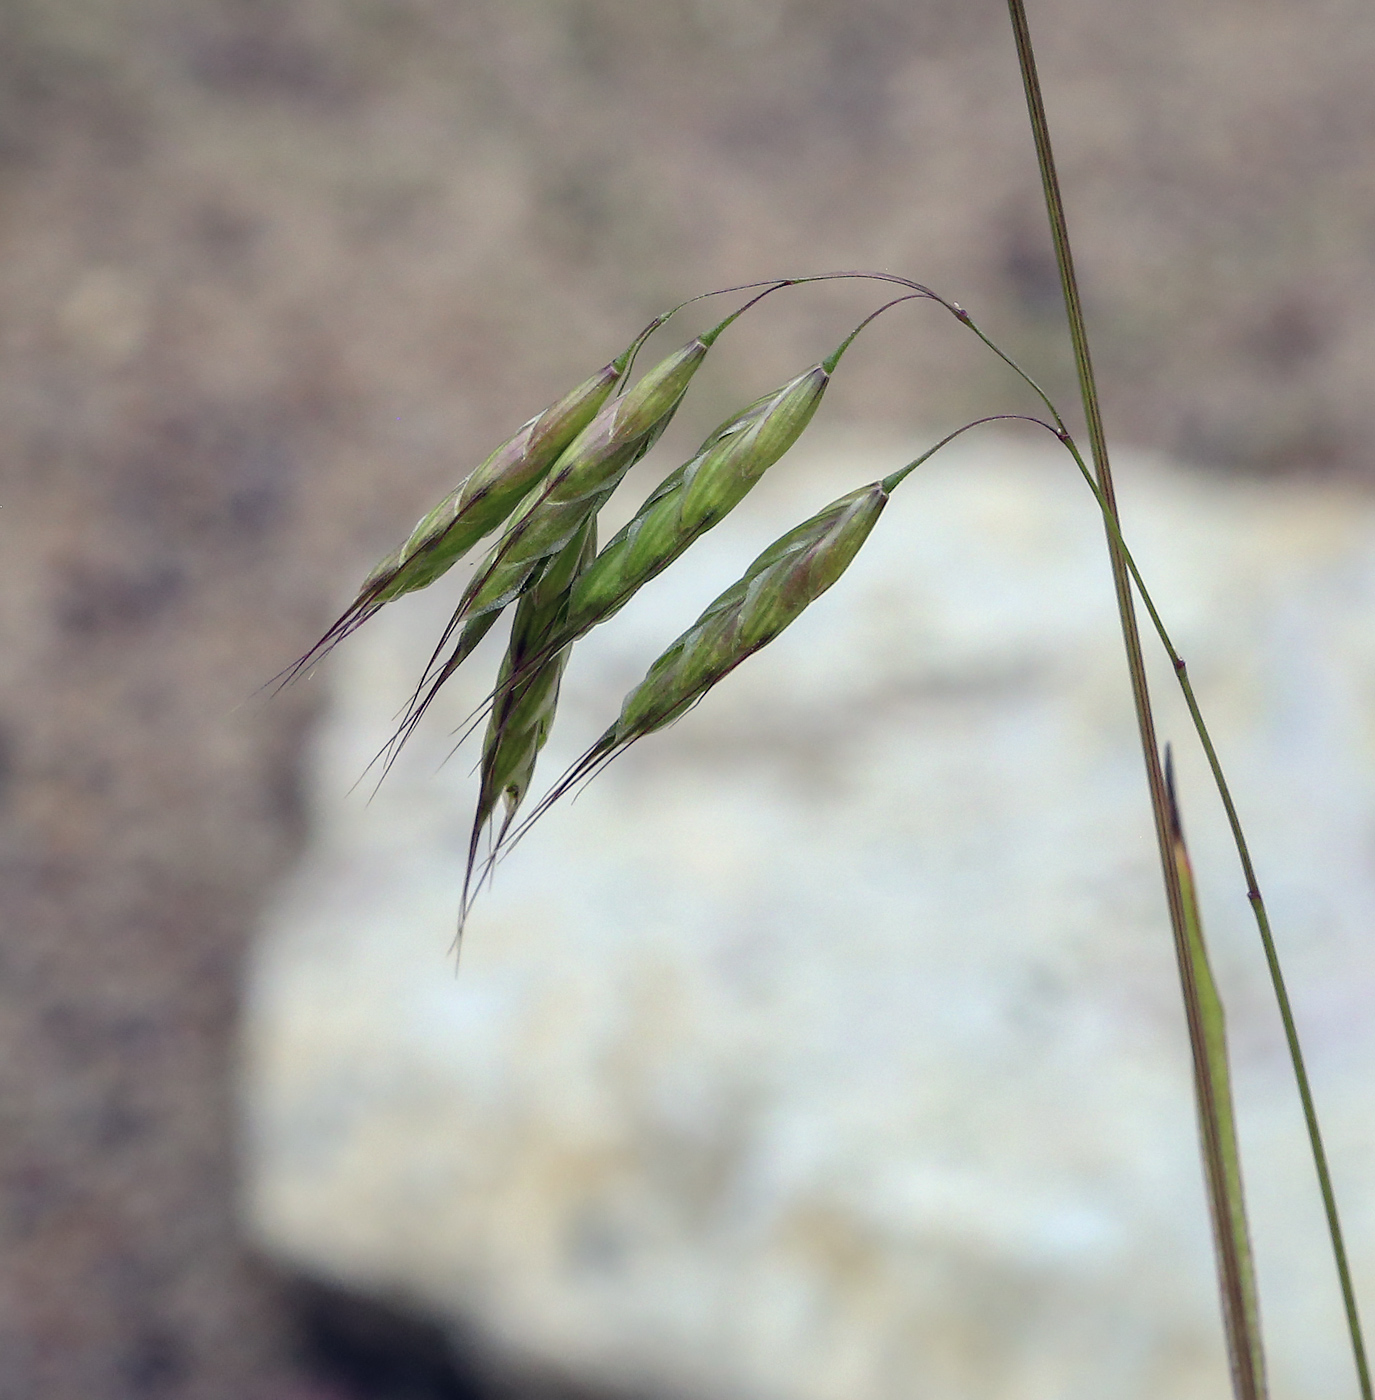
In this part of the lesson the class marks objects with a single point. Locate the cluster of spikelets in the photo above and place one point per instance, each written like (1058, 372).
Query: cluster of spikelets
(544, 489)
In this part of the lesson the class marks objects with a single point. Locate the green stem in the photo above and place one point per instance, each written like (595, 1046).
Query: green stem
(1253, 894)
(1257, 901)
(1248, 1382)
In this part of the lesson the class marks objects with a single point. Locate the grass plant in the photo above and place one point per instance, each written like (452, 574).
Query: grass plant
(544, 489)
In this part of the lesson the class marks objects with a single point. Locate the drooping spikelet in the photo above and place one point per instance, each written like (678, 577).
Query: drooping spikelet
(477, 506)
(495, 488)
(527, 688)
(775, 590)
(590, 468)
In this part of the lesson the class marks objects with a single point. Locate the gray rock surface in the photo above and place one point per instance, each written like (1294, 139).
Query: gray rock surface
(828, 1047)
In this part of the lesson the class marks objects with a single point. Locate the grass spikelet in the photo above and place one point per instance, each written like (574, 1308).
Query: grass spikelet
(695, 497)
(527, 690)
(774, 591)
(476, 507)
(495, 488)
(587, 473)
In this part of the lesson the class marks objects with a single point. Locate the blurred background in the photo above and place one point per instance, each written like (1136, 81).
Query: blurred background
(275, 273)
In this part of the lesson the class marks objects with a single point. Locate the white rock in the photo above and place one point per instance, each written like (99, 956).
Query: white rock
(828, 1047)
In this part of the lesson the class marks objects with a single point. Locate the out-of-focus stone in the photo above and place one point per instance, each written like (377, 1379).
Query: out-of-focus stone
(828, 1047)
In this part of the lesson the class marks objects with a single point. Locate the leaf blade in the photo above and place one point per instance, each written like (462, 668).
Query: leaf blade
(1217, 1128)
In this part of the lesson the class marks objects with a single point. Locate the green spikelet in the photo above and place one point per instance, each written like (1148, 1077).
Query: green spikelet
(527, 688)
(476, 507)
(493, 490)
(520, 722)
(775, 590)
(587, 473)
(793, 572)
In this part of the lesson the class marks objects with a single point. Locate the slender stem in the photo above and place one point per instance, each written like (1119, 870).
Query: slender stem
(893, 480)
(1253, 894)
(1257, 901)
(1247, 1380)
